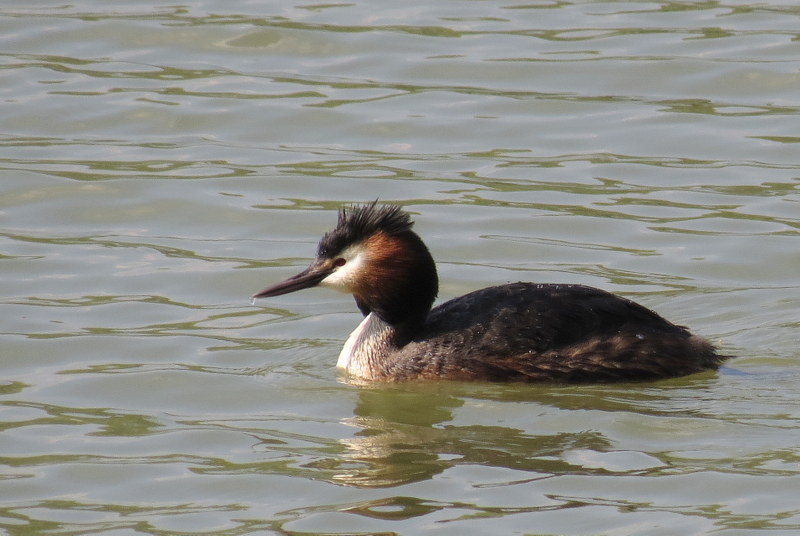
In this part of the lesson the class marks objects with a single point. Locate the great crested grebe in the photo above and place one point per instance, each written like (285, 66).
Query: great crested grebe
(513, 332)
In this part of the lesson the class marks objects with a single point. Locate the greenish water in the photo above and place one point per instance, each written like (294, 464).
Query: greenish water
(160, 163)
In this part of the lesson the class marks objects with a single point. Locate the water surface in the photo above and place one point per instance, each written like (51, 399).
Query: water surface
(160, 163)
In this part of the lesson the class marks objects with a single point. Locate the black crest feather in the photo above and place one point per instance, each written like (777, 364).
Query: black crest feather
(358, 222)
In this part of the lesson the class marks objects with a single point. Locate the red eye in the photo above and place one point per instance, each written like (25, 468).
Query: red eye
(339, 262)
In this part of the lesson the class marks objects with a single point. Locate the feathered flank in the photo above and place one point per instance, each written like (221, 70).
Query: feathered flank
(358, 222)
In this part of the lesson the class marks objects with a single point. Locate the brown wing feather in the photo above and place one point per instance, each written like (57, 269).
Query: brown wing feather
(551, 332)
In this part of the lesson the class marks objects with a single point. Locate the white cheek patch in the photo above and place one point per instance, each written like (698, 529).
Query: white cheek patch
(344, 278)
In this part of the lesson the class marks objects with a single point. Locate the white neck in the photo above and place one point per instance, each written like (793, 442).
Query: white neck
(367, 348)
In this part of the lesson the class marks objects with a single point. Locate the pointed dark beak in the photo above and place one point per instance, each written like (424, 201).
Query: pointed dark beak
(309, 277)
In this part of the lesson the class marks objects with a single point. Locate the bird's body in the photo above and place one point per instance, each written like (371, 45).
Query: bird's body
(513, 332)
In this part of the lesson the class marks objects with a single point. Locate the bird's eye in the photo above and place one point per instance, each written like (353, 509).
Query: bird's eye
(339, 262)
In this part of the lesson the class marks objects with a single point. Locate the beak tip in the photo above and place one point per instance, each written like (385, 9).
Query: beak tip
(309, 277)
(260, 294)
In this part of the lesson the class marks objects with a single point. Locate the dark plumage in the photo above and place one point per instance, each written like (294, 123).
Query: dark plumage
(359, 222)
(571, 333)
(514, 332)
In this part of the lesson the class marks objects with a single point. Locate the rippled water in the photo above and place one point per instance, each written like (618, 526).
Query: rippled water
(160, 163)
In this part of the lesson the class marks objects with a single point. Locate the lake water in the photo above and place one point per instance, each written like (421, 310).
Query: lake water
(160, 163)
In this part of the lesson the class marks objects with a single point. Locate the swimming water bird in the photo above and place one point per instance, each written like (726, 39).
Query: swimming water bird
(512, 332)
